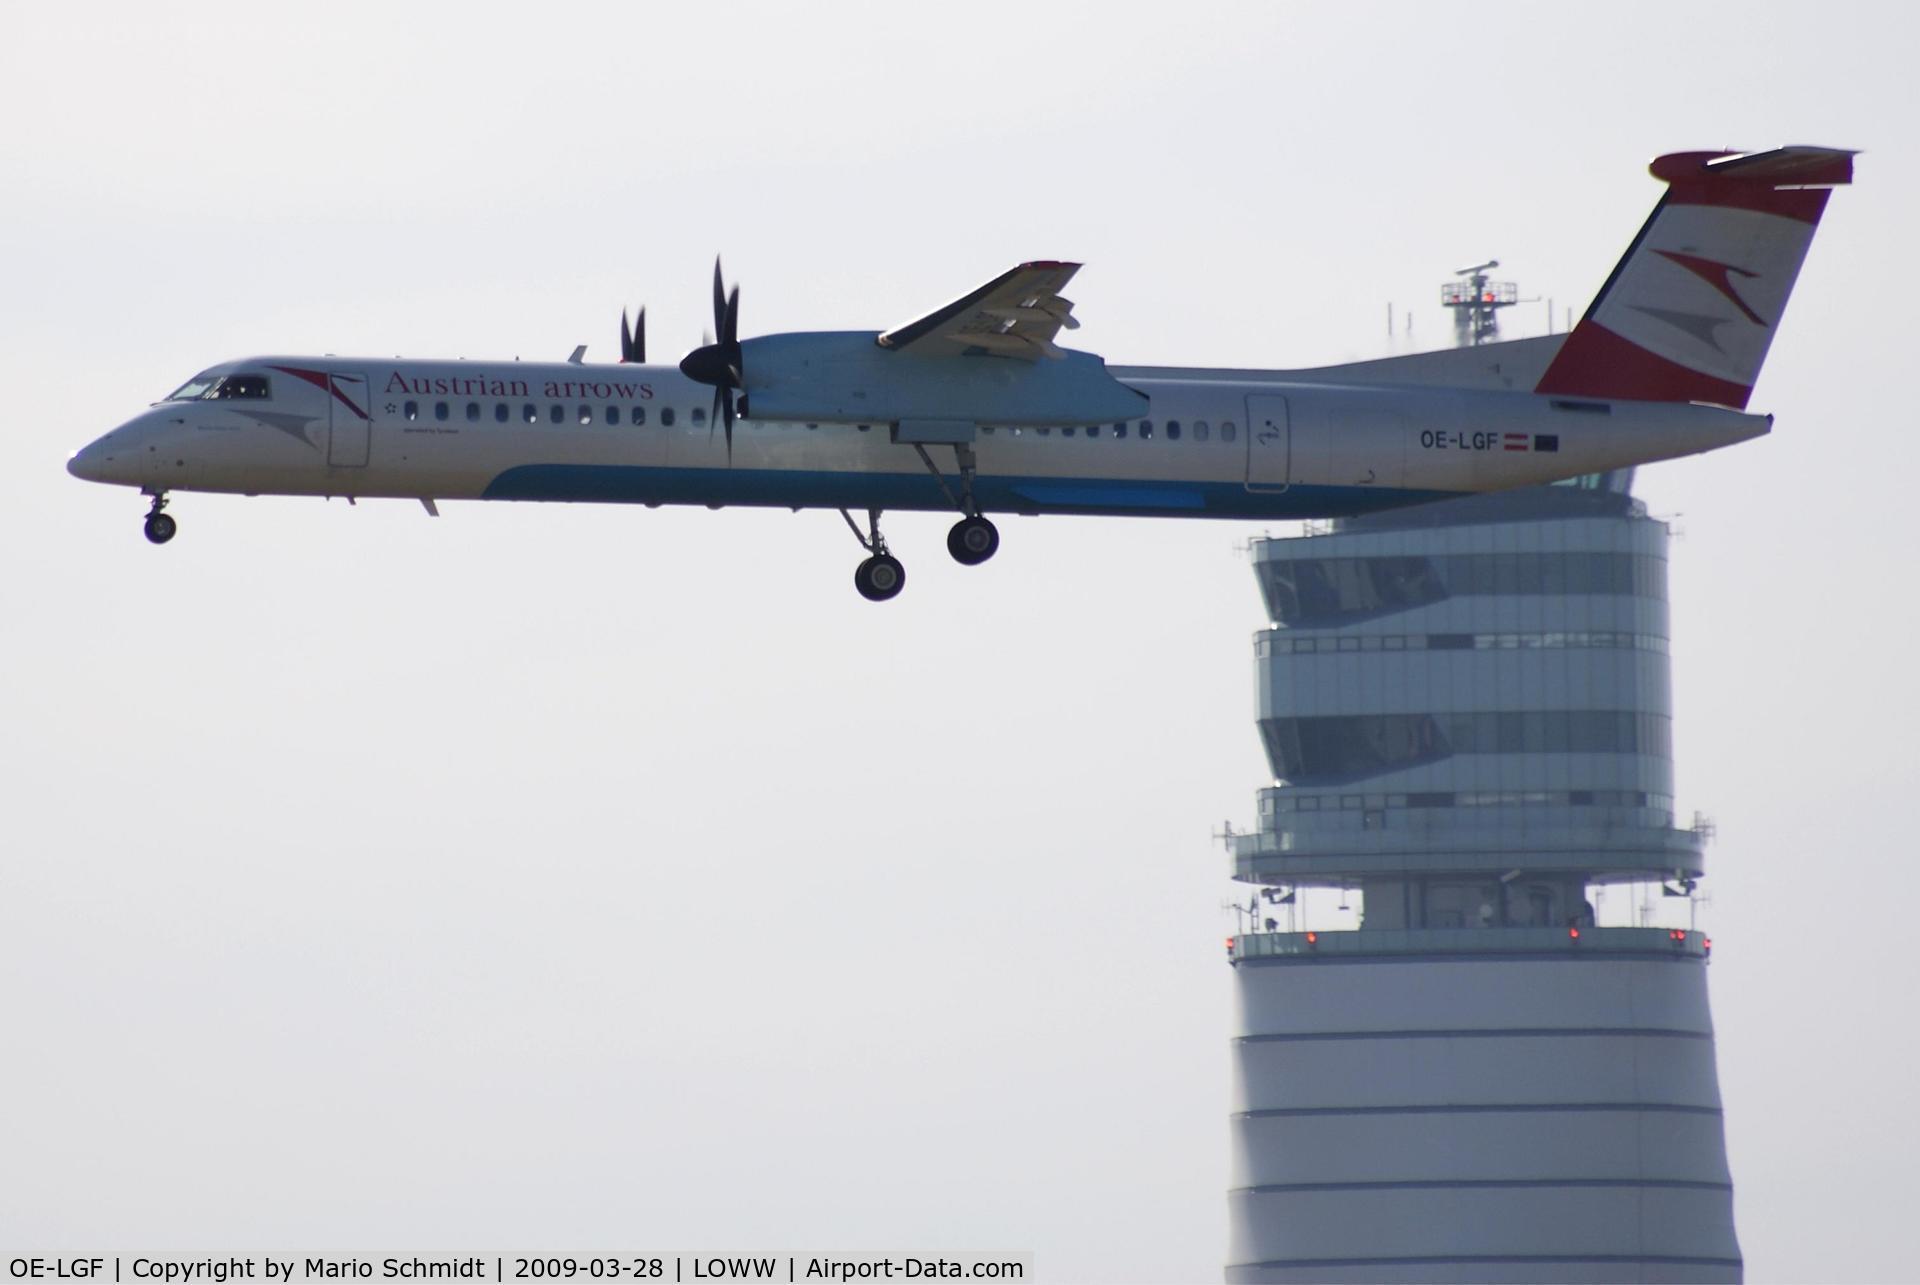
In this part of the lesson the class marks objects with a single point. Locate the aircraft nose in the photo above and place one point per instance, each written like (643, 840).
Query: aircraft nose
(90, 462)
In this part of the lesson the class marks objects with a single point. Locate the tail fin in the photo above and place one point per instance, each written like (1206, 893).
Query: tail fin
(1690, 310)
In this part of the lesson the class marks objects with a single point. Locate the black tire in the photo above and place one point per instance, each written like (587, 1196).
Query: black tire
(160, 528)
(972, 541)
(880, 577)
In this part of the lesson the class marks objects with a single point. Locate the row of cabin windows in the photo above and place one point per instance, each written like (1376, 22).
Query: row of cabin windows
(583, 414)
(1201, 430)
(556, 413)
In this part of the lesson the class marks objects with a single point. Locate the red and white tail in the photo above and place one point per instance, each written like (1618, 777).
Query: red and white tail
(1689, 312)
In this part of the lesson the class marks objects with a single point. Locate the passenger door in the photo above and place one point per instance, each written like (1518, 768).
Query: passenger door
(1269, 443)
(349, 426)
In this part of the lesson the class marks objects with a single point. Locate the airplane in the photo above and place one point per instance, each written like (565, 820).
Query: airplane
(1661, 365)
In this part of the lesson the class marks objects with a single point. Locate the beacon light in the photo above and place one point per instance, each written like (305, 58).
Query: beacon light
(1573, 932)
(1313, 939)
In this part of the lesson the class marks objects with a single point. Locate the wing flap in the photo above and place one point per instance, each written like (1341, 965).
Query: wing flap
(1018, 314)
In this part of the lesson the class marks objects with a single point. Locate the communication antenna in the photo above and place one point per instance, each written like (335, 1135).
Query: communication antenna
(1476, 302)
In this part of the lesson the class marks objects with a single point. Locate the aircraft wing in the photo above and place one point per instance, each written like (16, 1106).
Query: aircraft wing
(1017, 314)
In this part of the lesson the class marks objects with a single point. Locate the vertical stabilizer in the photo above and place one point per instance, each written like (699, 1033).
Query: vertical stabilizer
(1689, 312)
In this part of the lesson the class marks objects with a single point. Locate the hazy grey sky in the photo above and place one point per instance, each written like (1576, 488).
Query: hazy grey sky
(580, 877)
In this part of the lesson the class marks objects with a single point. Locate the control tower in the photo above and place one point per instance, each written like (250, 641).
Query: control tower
(1494, 1059)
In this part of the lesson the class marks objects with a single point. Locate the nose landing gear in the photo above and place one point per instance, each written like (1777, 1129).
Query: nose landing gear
(159, 527)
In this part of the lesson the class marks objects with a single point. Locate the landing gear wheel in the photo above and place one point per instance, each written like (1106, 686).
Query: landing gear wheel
(972, 541)
(160, 528)
(879, 577)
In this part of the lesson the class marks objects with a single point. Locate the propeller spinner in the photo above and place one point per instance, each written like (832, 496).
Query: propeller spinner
(718, 362)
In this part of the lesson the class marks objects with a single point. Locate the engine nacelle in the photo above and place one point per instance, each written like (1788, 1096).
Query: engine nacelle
(846, 376)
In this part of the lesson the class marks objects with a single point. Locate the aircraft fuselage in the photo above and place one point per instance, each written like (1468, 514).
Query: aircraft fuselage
(1212, 444)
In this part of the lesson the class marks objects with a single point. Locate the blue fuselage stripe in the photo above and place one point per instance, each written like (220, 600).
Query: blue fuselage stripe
(787, 488)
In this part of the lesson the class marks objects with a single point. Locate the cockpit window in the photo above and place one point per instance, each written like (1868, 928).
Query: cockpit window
(194, 388)
(221, 388)
(239, 388)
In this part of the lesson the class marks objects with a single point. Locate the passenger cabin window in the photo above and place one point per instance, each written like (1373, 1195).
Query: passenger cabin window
(557, 413)
(473, 412)
(1146, 430)
(1226, 430)
(1200, 430)
(530, 413)
(699, 415)
(666, 416)
(411, 410)
(441, 410)
(613, 414)
(500, 412)
(639, 416)
(585, 415)
(1173, 430)
(1120, 429)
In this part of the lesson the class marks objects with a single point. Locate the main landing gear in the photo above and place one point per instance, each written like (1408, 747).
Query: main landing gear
(881, 576)
(159, 527)
(973, 538)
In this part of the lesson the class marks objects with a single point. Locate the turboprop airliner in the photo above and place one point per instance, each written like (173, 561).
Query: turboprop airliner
(975, 409)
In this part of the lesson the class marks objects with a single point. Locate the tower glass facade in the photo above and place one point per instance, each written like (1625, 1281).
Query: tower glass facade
(1467, 713)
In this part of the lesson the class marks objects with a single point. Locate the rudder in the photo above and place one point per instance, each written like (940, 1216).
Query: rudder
(1690, 310)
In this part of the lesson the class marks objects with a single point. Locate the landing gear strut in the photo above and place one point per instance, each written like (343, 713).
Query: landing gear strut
(973, 538)
(159, 527)
(881, 576)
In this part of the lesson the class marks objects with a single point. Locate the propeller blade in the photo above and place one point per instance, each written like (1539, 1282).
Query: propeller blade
(718, 361)
(633, 343)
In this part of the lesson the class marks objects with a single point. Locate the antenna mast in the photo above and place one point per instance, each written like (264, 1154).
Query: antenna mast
(1476, 302)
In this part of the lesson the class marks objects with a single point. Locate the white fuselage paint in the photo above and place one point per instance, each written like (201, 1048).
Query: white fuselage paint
(1302, 443)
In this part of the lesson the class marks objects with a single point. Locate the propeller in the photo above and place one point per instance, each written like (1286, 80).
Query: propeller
(633, 343)
(718, 362)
